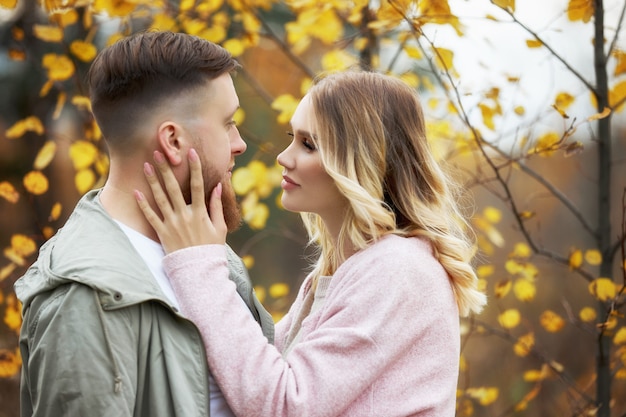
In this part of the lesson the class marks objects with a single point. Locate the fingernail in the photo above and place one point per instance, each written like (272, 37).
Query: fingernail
(218, 189)
(139, 195)
(193, 155)
(147, 169)
(158, 157)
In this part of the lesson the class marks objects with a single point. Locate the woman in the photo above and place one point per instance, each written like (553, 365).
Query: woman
(374, 330)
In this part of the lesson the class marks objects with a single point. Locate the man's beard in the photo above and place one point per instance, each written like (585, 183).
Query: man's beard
(232, 214)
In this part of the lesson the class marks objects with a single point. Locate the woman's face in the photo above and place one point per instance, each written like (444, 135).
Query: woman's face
(306, 185)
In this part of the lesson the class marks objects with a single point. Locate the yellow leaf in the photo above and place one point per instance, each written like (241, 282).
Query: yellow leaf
(84, 180)
(55, 212)
(620, 67)
(115, 8)
(12, 314)
(256, 216)
(48, 33)
(23, 245)
(620, 374)
(444, 59)
(8, 192)
(484, 271)
(502, 288)
(36, 182)
(411, 79)
(234, 46)
(576, 259)
(85, 51)
(564, 100)
(260, 293)
(17, 54)
(337, 60)
(29, 124)
(617, 94)
(551, 321)
(603, 289)
(286, 104)
(59, 67)
(601, 115)
(593, 257)
(61, 99)
(10, 363)
(521, 250)
(587, 314)
(533, 43)
(620, 336)
(534, 375)
(279, 289)
(505, 4)
(64, 17)
(81, 102)
(489, 230)
(524, 344)
(519, 110)
(6, 271)
(45, 155)
(523, 404)
(484, 395)
(83, 154)
(239, 116)
(547, 144)
(8, 4)
(162, 21)
(248, 261)
(47, 232)
(524, 290)
(243, 180)
(509, 318)
(580, 10)
(492, 214)
(413, 52)
(488, 113)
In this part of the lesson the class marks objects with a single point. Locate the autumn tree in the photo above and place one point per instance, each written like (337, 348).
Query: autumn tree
(536, 145)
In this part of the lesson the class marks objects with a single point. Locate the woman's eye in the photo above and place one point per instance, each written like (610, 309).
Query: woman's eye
(308, 143)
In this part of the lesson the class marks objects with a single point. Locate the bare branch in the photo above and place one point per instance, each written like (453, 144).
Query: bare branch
(545, 45)
(619, 28)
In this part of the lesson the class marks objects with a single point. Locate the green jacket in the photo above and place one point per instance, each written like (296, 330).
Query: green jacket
(99, 337)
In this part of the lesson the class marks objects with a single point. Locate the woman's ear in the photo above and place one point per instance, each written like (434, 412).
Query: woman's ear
(171, 141)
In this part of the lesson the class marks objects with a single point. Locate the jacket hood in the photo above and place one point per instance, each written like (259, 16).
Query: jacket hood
(92, 250)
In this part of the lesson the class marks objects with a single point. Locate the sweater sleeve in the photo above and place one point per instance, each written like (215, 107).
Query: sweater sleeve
(358, 334)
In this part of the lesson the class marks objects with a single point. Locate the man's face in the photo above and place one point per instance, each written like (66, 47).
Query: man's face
(217, 141)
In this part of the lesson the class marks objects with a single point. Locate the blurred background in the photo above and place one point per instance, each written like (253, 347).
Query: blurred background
(525, 107)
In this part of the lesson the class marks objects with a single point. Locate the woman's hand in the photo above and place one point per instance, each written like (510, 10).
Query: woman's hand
(183, 225)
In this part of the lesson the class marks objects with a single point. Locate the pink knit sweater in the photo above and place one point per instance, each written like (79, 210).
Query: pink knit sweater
(385, 342)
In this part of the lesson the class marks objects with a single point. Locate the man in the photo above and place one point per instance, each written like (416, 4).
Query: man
(102, 333)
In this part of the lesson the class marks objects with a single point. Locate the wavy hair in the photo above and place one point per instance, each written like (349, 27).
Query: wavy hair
(372, 141)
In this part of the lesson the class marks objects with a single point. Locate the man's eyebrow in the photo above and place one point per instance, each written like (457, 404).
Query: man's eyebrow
(230, 116)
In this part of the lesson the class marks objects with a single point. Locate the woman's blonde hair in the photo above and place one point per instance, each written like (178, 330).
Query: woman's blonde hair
(372, 141)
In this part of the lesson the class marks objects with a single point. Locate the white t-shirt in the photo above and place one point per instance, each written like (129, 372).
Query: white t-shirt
(152, 254)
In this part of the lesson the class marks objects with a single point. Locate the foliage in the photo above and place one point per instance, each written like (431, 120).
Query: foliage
(503, 149)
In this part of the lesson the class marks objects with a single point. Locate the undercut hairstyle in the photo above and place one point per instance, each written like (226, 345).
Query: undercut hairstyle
(371, 136)
(140, 72)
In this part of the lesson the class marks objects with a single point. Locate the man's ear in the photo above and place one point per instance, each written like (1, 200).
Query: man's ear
(171, 141)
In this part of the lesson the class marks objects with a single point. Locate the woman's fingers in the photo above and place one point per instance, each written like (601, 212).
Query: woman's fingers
(216, 211)
(161, 200)
(152, 218)
(196, 181)
(174, 194)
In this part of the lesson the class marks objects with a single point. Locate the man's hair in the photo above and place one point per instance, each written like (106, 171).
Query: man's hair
(135, 75)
